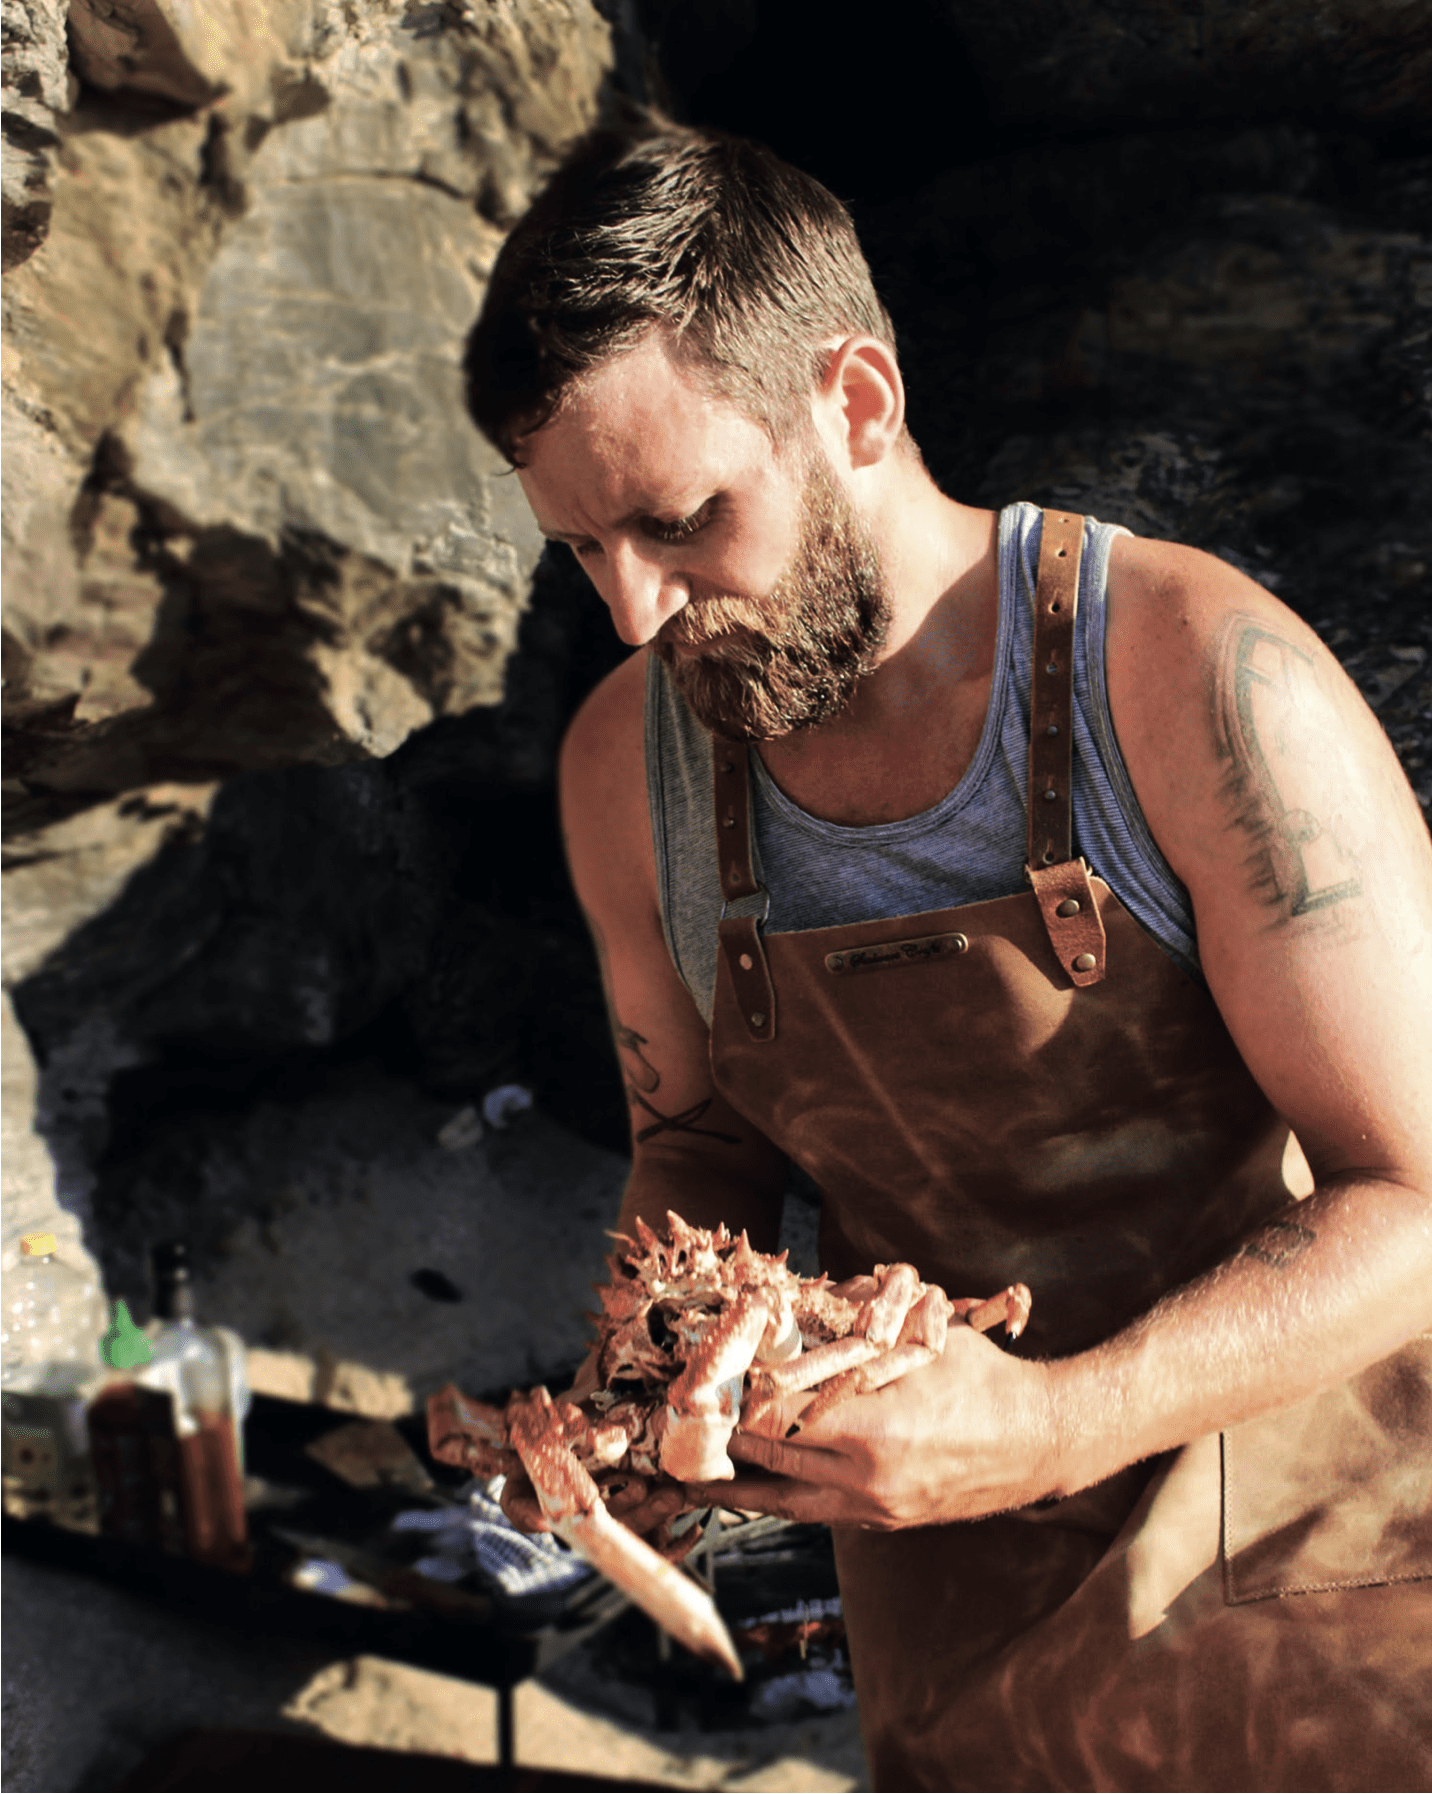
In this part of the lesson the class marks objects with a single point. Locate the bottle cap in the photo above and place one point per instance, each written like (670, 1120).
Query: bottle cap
(38, 1245)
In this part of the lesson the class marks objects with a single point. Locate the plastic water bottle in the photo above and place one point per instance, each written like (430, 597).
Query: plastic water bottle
(53, 1318)
(53, 1315)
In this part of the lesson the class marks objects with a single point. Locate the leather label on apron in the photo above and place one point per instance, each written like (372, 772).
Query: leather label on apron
(1336, 1491)
(918, 949)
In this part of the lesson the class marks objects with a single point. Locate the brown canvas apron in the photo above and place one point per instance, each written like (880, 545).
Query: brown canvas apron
(1031, 1089)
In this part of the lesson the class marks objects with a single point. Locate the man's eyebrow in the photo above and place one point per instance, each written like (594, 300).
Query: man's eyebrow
(642, 514)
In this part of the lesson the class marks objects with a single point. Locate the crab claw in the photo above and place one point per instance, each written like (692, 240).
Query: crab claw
(574, 1509)
(468, 1433)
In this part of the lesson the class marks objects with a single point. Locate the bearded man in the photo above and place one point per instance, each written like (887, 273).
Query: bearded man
(1052, 899)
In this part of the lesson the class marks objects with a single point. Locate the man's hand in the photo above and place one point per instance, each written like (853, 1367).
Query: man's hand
(972, 1434)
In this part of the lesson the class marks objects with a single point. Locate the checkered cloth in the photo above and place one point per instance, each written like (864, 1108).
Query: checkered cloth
(480, 1536)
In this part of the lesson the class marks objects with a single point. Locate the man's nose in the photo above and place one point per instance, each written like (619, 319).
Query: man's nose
(640, 593)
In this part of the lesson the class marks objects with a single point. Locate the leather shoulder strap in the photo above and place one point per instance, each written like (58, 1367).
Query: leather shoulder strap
(1061, 883)
(740, 935)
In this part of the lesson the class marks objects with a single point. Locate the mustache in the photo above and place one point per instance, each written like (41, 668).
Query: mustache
(730, 623)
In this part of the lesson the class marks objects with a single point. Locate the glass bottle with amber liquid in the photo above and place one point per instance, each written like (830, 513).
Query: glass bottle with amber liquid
(197, 1366)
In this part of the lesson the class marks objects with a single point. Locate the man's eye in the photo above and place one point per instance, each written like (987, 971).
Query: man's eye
(683, 527)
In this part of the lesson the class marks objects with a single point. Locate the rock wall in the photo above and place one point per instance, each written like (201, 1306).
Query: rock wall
(279, 829)
(247, 524)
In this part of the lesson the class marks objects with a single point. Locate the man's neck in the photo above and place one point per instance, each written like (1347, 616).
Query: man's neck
(913, 724)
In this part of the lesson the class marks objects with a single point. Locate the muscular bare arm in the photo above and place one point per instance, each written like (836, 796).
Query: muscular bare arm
(1280, 804)
(690, 1150)
(1276, 798)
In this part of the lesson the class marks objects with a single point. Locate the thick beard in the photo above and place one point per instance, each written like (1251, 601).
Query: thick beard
(792, 659)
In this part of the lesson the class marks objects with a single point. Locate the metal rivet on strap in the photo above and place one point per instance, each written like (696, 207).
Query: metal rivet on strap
(728, 822)
(1053, 667)
(1050, 795)
(727, 766)
(747, 962)
(759, 1021)
(1060, 553)
(1069, 907)
(1085, 962)
(836, 961)
(1053, 729)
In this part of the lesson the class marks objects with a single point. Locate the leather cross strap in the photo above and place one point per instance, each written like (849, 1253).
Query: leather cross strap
(1061, 883)
(740, 935)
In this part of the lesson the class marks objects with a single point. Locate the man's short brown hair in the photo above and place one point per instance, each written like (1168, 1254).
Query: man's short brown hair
(750, 265)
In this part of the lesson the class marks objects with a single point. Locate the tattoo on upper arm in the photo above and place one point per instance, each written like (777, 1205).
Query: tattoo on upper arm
(1279, 1243)
(1296, 864)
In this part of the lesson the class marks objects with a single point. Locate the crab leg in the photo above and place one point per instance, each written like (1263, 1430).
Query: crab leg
(1011, 1306)
(882, 1317)
(574, 1509)
(921, 1340)
(468, 1433)
(703, 1404)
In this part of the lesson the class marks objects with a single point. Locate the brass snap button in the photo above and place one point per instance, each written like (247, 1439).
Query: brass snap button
(746, 962)
(1069, 907)
(1085, 962)
(758, 1020)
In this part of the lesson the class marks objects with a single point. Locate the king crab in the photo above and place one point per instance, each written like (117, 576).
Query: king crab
(698, 1334)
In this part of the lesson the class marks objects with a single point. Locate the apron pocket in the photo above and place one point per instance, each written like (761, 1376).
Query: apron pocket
(1336, 1491)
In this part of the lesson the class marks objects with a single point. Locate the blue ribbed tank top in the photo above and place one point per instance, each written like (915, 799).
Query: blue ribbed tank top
(968, 848)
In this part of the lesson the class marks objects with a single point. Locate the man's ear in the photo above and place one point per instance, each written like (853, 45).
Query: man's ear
(859, 404)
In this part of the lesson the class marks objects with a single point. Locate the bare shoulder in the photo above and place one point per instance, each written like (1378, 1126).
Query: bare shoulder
(606, 735)
(602, 780)
(1277, 799)
(1246, 742)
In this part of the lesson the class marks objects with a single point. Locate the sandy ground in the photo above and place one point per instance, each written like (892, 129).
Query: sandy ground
(94, 1677)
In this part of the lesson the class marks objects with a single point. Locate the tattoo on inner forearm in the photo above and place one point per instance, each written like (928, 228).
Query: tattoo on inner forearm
(645, 1076)
(1267, 724)
(683, 1123)
(1279, 1244)
(643, 1079)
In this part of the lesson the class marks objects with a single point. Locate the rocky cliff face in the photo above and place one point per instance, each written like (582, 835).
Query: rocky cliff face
(279, 833)
(247, 523)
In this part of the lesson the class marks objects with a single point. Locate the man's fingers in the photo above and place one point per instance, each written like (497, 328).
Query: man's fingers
(663, 1503)
(766, 1454)
(764, 1495)
(783, 1457)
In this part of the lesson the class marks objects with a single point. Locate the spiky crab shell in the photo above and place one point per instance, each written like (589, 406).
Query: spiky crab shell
(668, 1294)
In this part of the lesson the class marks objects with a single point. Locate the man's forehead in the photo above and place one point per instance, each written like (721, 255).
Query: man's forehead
(636, 437)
